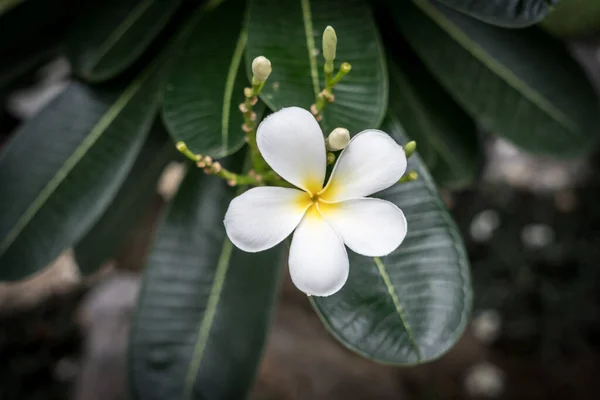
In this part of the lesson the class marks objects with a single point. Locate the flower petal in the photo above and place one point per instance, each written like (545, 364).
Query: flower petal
(318, 259)
(371, 227)
(292, 143)
(262, 217)
(373, 161)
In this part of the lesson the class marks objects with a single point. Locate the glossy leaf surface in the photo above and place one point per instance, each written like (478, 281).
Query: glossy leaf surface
(110, 38)
(205, 306)
(520, 84)
(411, 306)
(289, 34)
(63, 167)
(131, 202)
(206, 85)
(446, 137)
(507, 13)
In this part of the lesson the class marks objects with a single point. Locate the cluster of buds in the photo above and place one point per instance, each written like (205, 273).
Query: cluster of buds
(329, 53)
(253, 174)
(207, 163)
(326, 97)
(409, 149)
(261, 69)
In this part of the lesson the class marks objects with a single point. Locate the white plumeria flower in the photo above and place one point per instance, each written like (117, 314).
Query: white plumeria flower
(324, 218)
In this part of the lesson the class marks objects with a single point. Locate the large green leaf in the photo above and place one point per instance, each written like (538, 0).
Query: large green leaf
(410, 306)
(289, 34)
(63, 167)
(447, 138)
(507, 13)
(573, 18)
(110, 38)
(131, 202)
(522, 84)
(206, 86)
(205, 306)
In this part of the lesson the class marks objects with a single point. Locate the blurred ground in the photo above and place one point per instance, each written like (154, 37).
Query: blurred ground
(532, 230)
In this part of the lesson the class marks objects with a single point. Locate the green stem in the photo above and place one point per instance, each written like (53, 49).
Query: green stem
(237, 179)
(344, 69)
(258, 162)
(326, 95)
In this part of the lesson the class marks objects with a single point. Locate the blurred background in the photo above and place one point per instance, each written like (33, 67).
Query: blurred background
(531, 225)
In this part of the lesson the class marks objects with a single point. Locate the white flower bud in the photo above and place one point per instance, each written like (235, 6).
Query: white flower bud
(261, 68)
(329, 43)
(338, 139)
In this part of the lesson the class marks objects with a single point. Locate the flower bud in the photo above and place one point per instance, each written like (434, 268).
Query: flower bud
(410, 148)
(261, 68)
(338, 139)
(330, 158)
(329, 43)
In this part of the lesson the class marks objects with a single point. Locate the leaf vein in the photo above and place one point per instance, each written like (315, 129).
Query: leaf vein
(207, 320)
(229, 84)
(399, 309)
(310, 44)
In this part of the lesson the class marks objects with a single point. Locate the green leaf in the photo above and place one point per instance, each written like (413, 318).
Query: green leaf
(411, 306)
(506, 13)
(130, 204)
(446, 137)
(62, 168)
(573, 18)
(205, 306)
(289, 35)
(522, 85)
(207, 84)
(107, 40)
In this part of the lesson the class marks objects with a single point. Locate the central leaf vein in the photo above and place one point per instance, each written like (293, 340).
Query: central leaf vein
(207, 319)
(310, 44)
(399, 309)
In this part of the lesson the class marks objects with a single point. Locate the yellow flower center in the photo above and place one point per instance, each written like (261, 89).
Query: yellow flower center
(314, 205)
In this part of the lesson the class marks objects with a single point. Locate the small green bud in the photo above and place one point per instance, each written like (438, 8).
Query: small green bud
(409, 177)
(329, 43)
(338, 139)
(410, 148)
(261, 68)
(183, 149)
(181, 146)
(330, 158)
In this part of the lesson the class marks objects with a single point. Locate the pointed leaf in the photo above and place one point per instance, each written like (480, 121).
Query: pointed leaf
(129, 205)
(507, 13)
(412, 305)
(63, 167)
(207, 84)
(205, 306)
(522, 84)
(107, 40)
(289, 35)
(446, 137)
